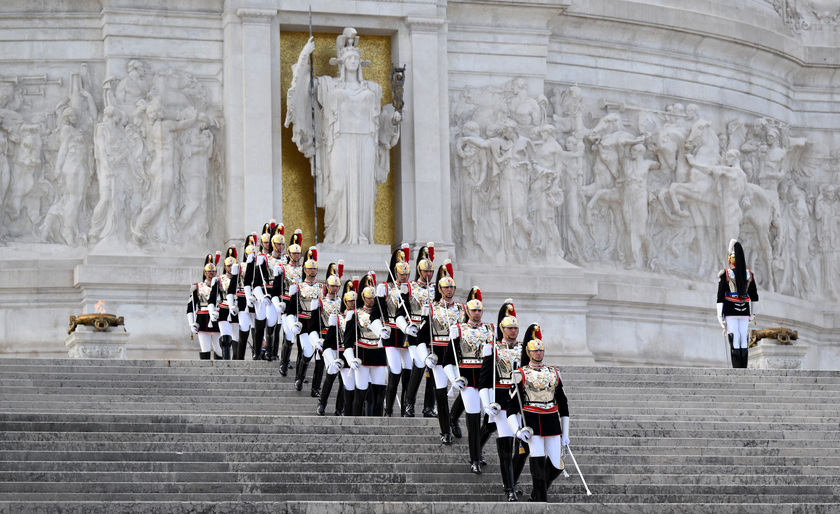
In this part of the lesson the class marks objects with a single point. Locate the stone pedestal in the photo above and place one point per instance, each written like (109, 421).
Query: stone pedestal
(769, 354)
(88, 343)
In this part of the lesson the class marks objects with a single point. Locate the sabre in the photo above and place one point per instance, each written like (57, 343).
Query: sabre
(588, 492)
(401, 302)
(522, 425)
(314, 134)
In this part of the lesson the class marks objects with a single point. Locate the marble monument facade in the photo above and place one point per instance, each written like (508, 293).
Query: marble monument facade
(589, 159)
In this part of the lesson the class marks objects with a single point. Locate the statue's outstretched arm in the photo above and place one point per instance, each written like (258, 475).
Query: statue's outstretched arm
(299, 102)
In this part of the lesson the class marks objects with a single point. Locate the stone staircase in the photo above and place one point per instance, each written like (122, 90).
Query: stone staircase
(212, 436)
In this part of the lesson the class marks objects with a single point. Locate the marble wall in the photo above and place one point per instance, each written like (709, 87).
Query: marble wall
(590, 159)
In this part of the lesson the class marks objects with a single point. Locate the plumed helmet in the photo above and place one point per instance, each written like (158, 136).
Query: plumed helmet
(425, 259)
(297, 241)
(230, 256)
(532, 333)
(506, 318)
(348, 294)
(399, 261)
(367, 288)
(209, 265)
(332, 275)
(474, 299)
(311, 260)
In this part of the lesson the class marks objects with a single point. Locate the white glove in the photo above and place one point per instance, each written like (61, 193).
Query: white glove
(260, 259)
(460, 383)
(314, 304)
(381, 290)
(250, 257)
(355, 364)
(234, 310)
(348, 316)
(318, 344)
(431, 360)
(720, 317)
(334, 368)
(425, 311)
(277, 270)
(194, 328)
(249, 300)
(492, 410)
(524, 434)
(385, 334)
(564, 440)
(277, 305)
(454, 332)
(333, 321)
(298, 326)
(293, 289)
(752, 318)
(234, 270)
(564, 428)
(214, 314)
(412, 330)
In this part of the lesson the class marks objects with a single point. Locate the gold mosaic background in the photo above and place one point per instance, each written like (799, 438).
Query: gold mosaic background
(298, 195)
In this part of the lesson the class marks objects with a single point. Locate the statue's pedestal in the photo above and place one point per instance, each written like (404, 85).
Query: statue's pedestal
(769, 354)
(87, 343)
(358, 259)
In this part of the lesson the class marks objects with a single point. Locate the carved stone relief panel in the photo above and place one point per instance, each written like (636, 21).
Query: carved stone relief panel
(600, 182)
(136, 161)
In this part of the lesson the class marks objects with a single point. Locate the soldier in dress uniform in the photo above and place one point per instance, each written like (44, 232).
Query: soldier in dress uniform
(276, 259)
(201, 311)
(228, 322)
(544, 423)
(395, 317)
(292, 275)
(736, 299)
(363, 337)
(472, 341)
(332, 323)
(349, 297)
(258, 280)
(244, 303)
(444, 313)
(494, 389)
(418, 300)
(303, 320)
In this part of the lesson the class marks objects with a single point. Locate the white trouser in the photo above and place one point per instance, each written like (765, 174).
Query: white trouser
(549, 445)
(398, 359)
(225, 328)
(265, 310)
(209, 341)
(246, 320)
(740, 327)
(441, 380)
(419, 354)
(502, 427)
(348, 378)
(472, 402)
(329, 357)
(366, 375)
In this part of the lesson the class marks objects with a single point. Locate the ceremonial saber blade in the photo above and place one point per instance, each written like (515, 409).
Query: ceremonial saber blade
(588, 492)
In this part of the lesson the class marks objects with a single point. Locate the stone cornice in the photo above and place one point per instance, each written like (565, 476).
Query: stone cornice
(424, 24)
(256, 15)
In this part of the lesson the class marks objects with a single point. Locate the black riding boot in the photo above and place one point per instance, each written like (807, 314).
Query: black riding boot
(325, 393)
(504, 445)
(411, 394)
(539, 493)
(285, 356)
(225, 342)
(487, 430)
(454, 415)
(300, 371)
(274, 345)
(242, 345)
(430, 397)
(443, 415)
(521, 451)
(259, 333)
(317, 378)
(733, 352)
(349, 402)
(339, 399)
(378, 398)
(404, 378)
(205, 356)
(745, 357)
(474, 441)
(359, 401)
(551, 473)
(391, 393)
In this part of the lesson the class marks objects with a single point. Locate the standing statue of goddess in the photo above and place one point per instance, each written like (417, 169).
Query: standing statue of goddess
(352, 135)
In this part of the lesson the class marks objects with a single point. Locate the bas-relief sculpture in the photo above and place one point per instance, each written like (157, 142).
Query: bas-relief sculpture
(78, 175)
(662, 190)
(352, 137)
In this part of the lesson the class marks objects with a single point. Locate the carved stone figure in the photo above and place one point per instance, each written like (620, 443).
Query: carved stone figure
(546, 194)
(351, 137)
(634, 206)
(512, 158)
(111, 154)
